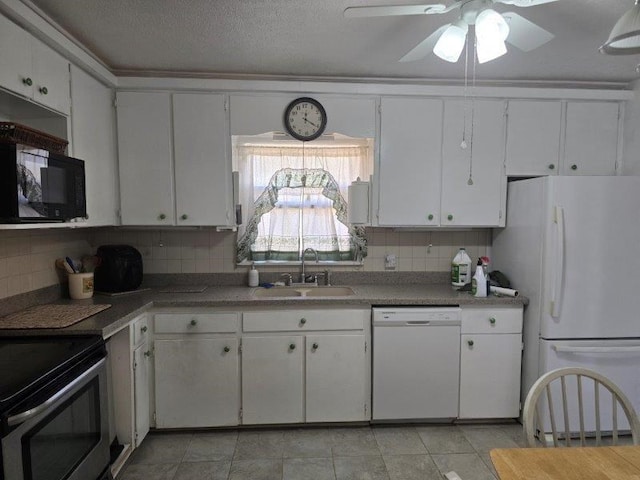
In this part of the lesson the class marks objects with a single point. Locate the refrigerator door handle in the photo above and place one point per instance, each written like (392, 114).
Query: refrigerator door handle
(595, 349)
(558, 282)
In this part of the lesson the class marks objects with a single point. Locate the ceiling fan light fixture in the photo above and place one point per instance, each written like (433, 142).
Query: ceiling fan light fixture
(491, 31)
(624, 38)
(451, 43)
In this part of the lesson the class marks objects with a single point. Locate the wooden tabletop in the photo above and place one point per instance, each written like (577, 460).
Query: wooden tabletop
(580, 463)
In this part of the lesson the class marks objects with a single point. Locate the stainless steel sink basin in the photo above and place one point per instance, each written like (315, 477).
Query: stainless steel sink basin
(299, 291)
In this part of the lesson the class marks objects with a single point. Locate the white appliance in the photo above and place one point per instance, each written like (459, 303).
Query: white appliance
(416, 363)
(571, 244)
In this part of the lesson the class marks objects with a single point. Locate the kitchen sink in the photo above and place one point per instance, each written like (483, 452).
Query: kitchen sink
(300, 291)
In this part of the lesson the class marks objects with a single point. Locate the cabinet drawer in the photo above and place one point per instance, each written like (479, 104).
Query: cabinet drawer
(196, 322)
(303, 320)
(492, 320)
(140, 330)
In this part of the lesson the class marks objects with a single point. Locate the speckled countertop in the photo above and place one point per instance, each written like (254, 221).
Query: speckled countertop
(125, 308)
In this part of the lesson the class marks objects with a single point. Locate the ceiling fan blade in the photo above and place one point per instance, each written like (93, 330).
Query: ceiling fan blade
(524, 3)
(393, 10)
(425, 47)
(525, 35)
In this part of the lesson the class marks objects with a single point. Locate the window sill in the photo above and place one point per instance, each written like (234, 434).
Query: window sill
(325, 263)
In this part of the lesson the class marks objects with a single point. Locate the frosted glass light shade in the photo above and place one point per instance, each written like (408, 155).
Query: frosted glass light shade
(491, 31)
(451, 42)
(624, 39)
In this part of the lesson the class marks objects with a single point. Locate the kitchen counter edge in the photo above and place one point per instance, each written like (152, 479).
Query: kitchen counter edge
(127, 307)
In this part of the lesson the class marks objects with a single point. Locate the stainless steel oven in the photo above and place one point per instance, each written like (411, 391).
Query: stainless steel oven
(60, 430)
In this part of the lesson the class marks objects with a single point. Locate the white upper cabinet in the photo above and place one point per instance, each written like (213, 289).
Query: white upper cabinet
(145, 160)
(533, 137)
(410, 160)
(174, 163)
(32, 69)
(94, 141)
(570, 137)
(591, 138)
(481, 203)
(202, 170)
(424, 171)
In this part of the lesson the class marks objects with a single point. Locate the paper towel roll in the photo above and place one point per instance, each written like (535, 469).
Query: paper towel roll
(507, 292)
(358, 212)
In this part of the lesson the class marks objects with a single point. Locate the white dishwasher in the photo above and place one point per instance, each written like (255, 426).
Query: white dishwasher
(416, 363)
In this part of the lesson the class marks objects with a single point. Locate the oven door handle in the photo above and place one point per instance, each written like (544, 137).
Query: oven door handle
(32, 412)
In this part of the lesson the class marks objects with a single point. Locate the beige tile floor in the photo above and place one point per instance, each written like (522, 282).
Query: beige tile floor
(422, 452)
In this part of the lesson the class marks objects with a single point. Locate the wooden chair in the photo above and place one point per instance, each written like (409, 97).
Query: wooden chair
(557, 396)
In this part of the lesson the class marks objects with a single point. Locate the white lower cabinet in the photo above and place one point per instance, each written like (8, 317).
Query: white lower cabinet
(129, 386)
(196, 382)
(141, 381)
(335, 387)
(197, 369)
(490, 362)
(297, 368)
(272, 379)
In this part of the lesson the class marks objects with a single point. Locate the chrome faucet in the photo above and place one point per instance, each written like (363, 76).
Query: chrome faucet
(302, 274)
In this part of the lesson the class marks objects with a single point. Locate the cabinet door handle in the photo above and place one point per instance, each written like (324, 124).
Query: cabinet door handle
(292, 346)
(144, 329)
(44, 90)
(470, 343)
(184, 216)
(492, 321)
(430, 216)
(27, 81)
(193, 322)
(551, 166)
(314, 346)
(449, 217)
(227, 349)
(574, 167)
(303, 320)
(162, 216)
(147, 353)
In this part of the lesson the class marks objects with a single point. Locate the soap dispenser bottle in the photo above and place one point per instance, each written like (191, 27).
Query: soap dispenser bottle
(253, 277)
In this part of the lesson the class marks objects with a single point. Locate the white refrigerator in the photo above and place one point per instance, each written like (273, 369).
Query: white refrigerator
(572, 246)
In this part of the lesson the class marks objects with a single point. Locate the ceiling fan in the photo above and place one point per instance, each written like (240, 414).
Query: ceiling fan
(492, 29)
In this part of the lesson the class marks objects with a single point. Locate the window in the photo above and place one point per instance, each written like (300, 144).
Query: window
(296, 197)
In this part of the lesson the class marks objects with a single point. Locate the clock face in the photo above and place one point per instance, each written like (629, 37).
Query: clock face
(305, 119)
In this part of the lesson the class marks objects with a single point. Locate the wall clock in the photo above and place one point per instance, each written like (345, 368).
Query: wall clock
(305, 119)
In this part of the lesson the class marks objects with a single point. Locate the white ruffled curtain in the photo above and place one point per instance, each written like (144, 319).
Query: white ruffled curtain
(295, 197)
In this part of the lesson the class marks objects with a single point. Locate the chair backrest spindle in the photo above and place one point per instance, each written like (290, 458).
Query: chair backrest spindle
(533, 420)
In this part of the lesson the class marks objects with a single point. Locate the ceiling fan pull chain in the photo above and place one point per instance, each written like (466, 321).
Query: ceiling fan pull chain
(473, 87)
(465, 108)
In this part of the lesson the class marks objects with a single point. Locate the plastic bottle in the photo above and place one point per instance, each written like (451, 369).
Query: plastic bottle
(460, 269)
(479, 281)
(253, 277)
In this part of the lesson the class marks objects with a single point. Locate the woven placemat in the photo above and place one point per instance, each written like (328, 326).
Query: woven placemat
(50, 316)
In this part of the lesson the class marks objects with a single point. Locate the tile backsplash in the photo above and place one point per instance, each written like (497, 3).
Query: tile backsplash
(208, 251)
(27, 257)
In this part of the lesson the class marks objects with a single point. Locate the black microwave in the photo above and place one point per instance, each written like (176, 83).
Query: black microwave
(40, 186)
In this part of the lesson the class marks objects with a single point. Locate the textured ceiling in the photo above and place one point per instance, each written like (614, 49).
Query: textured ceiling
(305, 38)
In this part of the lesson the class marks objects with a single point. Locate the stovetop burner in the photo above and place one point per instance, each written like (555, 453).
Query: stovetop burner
(27, 363)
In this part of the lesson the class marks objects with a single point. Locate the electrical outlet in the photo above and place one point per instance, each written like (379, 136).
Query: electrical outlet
(390, 261)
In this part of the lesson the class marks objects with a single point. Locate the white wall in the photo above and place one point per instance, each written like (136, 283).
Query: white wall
(631, 148)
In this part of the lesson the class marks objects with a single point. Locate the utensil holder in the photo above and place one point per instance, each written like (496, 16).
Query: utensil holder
(80, 285)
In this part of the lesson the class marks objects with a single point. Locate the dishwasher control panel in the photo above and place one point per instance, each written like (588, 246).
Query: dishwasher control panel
(417, 316)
